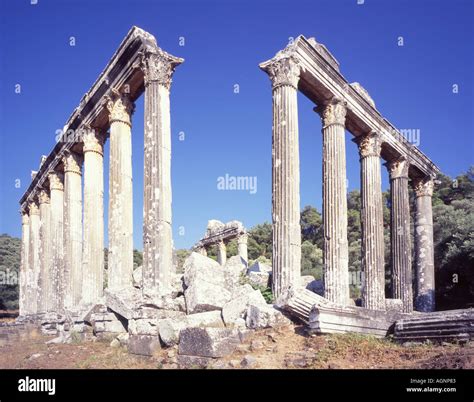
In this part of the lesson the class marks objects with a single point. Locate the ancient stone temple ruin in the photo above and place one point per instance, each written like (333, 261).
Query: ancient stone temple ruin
(208, 309)
(62, 263)
(220, 234)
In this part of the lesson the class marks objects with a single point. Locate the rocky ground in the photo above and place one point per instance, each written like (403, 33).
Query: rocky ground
(287, 347)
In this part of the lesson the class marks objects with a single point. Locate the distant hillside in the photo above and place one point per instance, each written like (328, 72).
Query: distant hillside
(9, 267)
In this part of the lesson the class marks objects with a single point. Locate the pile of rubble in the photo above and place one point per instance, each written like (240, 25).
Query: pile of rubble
(210, 311)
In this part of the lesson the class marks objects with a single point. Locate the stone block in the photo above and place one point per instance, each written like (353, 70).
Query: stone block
(237, 308)
(264, 316)
(124, 301)
(203, 296)
(208, 342)
(194, 362)
(144, 345)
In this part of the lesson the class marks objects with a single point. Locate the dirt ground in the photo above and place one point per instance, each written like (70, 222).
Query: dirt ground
(284, 348)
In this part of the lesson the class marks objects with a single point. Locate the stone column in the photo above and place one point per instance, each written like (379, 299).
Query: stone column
(93, 251)
(120, 258)
(424, 250)
(158, 68)
(284, 73)
(44, 282)
(72, 229)
(371, 217)
(242, 241)
(202, 251)
(56, 189)
(221, 253)
(25, 244)
(33, 258)
(400, 257)
(336, 251)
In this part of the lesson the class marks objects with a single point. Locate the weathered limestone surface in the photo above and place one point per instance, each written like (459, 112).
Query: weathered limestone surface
(400, 258)
(24, 261)
(452, 325)
(56, 187)
(34, 258)
(72, 279)
(284, 74)
(45, 277)
(208, 342)
(120, 259)
(424, 251)
(336, 252)
(93, 251)
(158, 68)
(373, 287)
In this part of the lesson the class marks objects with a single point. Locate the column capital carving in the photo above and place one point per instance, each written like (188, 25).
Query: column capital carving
(93, 140)
(43, 197)
(72, 163)
(120, 107)
(398, 168)
(158, 66)
(283, 69)
(423, 187)
(56, 181)
(243, 238)
(33, 208)
(333, 112)
(370, 145)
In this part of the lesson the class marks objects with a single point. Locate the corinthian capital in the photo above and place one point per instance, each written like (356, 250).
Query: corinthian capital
(43, 197)
(334, 112)
(423, 187)
(159, 67)
(283, 69)
(72, 163)
(33, 208)
(56, 181)
(370, 145)
(398, 168)
(120, 107)
(93, 140)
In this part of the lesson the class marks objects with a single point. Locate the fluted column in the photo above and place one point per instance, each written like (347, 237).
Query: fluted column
(56, 189)
(158, 68)
(371, 217)
(284, 73)
(44, 282)
(336, 251)
(221, 252)
(25, 244)
(202, 251)
(33, 258)
(120, 258)
(424, 250)
(93, 247)
(400, 256)
(72, 229)
(242, 241)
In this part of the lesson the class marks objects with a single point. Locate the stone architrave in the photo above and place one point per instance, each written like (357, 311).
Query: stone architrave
(373, 285)
(44, 281)
(93, 248)
(25, 244)
(336, 251)
(56, 190)
(158, 68)
(284, 73)
(33, 258)
(424, 250)
(400, 257)
(72, 279)
(120, 258)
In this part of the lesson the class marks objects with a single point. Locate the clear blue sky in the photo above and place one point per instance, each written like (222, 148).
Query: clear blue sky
(227, 132)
